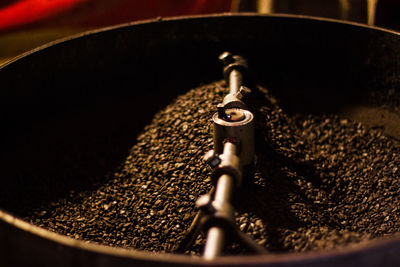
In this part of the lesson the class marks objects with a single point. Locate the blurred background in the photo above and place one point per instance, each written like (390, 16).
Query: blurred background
(26, 24)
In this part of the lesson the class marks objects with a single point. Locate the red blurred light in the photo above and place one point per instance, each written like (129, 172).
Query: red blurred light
(28, 11)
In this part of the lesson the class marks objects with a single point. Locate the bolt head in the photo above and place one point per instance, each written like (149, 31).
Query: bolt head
(244, 90)
(203, 201)
(212, 159)
(221, 111)
(226, 58)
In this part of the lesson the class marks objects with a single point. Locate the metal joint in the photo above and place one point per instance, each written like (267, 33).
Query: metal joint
(232, 62)
(216, 213)
(238, 129)
(230, 165)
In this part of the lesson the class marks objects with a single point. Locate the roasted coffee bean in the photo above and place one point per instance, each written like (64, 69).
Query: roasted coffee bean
(319, 182)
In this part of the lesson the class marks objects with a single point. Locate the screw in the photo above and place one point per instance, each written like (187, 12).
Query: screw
(212, 159)
(244, 90)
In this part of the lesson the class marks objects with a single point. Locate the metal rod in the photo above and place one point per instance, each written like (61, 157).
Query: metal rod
(229, 169)
(235, 81)
(223, 193)
(224, 189)
(216, 235)
(214, 243)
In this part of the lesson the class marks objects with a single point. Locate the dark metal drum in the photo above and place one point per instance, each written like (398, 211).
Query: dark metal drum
(132, 71)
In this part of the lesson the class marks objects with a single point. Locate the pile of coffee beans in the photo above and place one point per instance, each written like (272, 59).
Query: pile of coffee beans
(319, 182)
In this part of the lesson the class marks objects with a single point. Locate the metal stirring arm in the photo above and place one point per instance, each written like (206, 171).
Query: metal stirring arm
(233, 149)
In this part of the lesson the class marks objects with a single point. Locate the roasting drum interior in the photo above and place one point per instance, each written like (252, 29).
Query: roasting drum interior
(95, 93)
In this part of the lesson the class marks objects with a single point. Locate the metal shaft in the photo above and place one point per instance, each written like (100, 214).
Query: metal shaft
(223, 192)
(233, 99)
(215, 243)
(235, 81)
(216, 235)
(233, 122)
